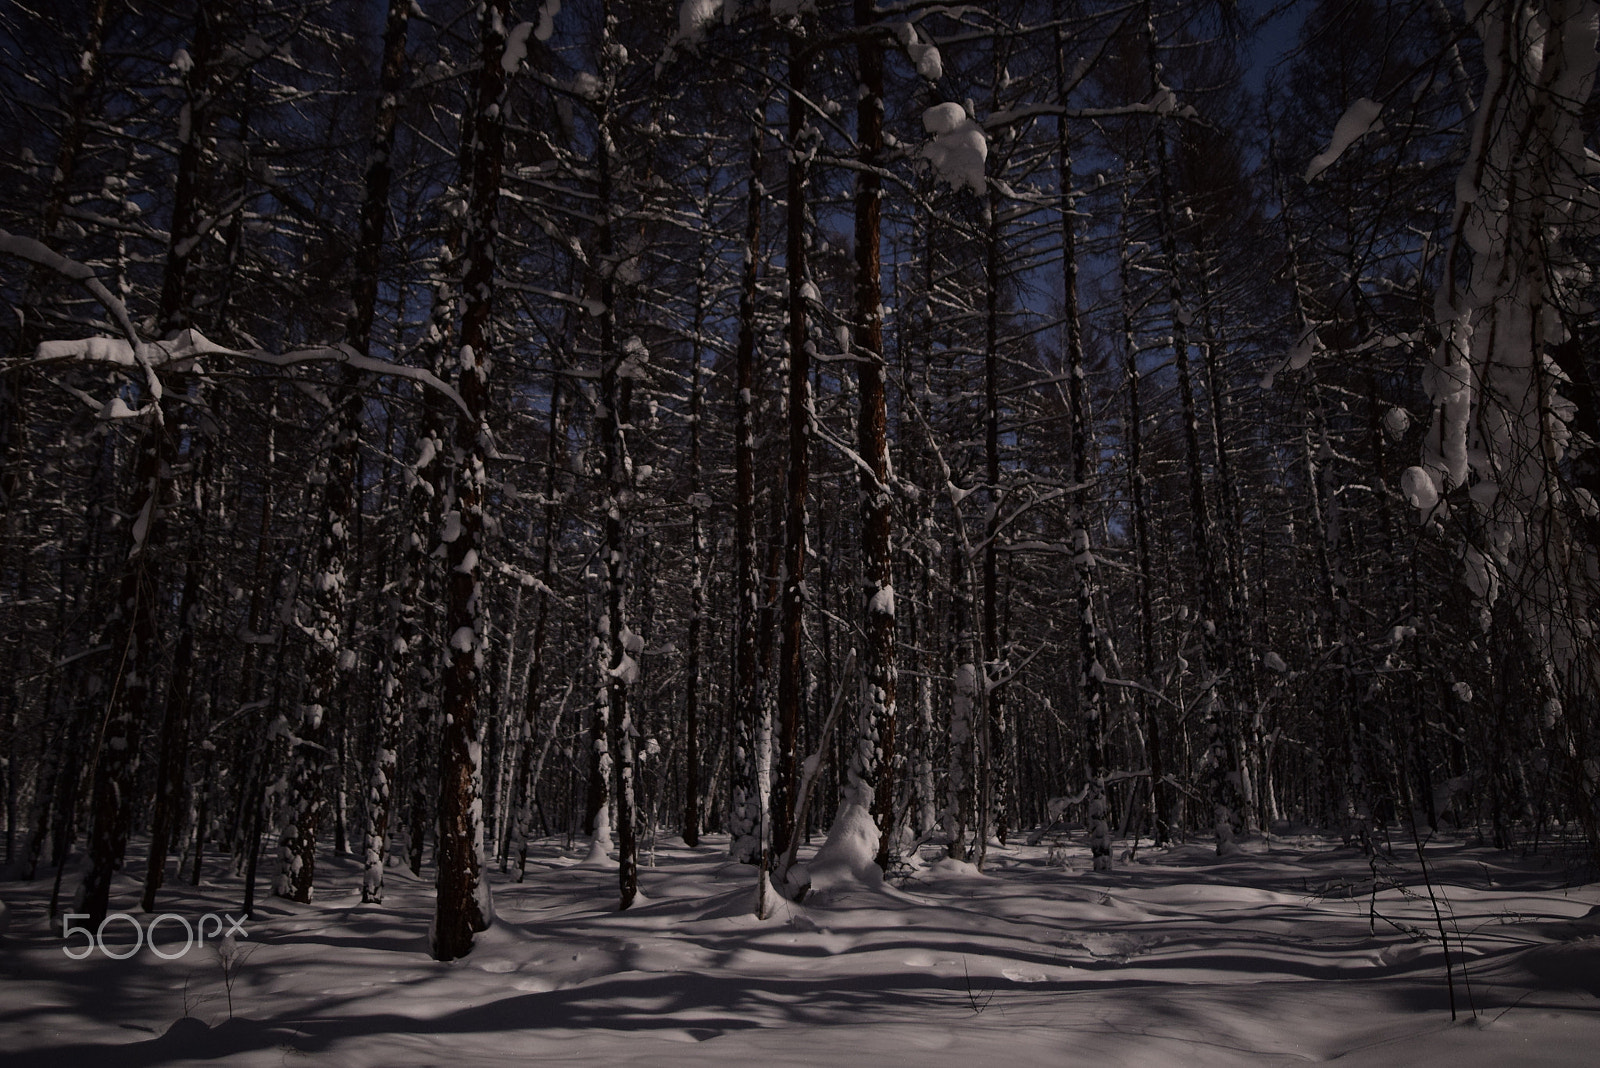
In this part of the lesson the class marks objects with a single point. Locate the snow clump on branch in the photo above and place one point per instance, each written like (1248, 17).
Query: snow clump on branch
(959, 149)
(1359, 119)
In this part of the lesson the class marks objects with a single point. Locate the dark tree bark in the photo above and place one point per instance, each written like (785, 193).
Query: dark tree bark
(463, 906)
(621, 363)
(1144, 567)
(358, 332)
(175, 718)
(871, 772)
(1091, 673)
(1222, 736)
(796, 530)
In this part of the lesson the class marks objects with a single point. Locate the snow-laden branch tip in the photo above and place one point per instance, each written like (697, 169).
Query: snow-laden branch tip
(26, 248)
(517, 40)
(1359, 119)
(186, 349)
(1304, 349)
(182, 351)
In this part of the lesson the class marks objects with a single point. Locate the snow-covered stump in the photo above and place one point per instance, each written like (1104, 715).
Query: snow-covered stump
(1099, 826)
(960, 798)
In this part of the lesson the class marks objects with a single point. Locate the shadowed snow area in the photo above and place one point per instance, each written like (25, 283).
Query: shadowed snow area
(1298, 950)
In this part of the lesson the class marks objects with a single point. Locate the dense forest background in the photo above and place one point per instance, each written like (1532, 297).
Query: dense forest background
(432, 426)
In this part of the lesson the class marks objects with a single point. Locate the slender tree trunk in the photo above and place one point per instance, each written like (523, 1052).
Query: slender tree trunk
(374, 210)
(791, 667)
(175, 719)
(1222, 742)
(620, 648)
(697, 577)
(870, 780)
(134, 638)
(133, 630)
(528, 774)
(1144, 568)
(1091, 688)
(992, 734)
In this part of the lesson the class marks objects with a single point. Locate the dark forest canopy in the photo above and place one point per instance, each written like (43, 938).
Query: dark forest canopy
(432, 426)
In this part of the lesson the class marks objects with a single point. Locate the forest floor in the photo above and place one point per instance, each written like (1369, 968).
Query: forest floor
(1298, 950)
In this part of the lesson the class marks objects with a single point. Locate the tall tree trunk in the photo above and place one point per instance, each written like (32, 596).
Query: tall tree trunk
(527, 780)
(620, 648)
(464, 906)
(697, 572)
(1222, 741)
(1144, 569)
(175, 719)
(1091, 676)
(992, 734)
(374, 210)
(134, 639)
(791, 665)
(133, 629)
(870, 777)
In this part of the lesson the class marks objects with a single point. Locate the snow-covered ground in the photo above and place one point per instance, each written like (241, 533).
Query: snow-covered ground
(1298, 950)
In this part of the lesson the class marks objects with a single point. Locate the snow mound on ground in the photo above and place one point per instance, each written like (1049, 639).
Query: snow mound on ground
(599, 855)
(850, 855)
(1565, 965)
(949, 866)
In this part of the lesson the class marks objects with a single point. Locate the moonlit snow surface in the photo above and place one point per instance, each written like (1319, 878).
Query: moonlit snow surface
(1285, 954)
